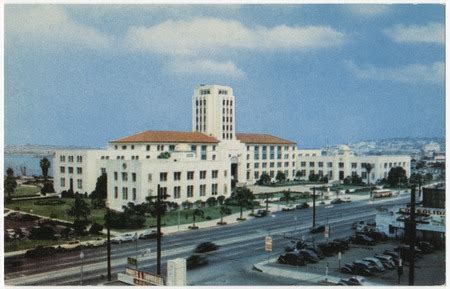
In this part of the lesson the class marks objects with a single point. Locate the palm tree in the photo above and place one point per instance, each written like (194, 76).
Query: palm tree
(196, 212)
(223, 210)
(10, 183)
(368, 168)
(45, 165)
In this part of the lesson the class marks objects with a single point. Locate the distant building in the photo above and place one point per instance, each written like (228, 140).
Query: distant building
(337, 165)
(189, 166)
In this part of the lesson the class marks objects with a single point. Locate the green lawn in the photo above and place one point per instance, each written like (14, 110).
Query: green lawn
(19, 245)
(60, 211)
(25, 190)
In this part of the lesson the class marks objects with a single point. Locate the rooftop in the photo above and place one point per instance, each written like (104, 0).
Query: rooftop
(152, 136)
(254, 138)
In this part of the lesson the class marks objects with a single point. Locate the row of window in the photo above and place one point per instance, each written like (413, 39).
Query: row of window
(70, 159)
(62, 170)
(353, 165)
(163, 176)
(124, 193)
(271, 165)
(272, 148)
(271, 156)
(62, 183)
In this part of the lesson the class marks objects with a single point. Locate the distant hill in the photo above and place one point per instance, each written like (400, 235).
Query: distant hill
(41, 150)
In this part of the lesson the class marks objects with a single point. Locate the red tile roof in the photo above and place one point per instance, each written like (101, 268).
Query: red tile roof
(153, 136)
(256, 138)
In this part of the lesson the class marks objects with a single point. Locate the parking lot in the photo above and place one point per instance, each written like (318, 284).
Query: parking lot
(430, 269)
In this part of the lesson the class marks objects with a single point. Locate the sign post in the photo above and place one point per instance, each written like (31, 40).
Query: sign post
(268, 246)
(81, 257)
(327, 232)
(339, 259)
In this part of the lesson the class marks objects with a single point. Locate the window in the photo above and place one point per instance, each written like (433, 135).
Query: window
(303, 173)
(163, 191)
(272, 165)
(115, 176)
(115, 147)
(363, 175)
(303, 164)
(225, 189)
(70, 170)
(256, 165)
(214, 189)
(171, 148)
(70, 159)
(320, 164)
(272, 174)
(203, 153)
(256, 153)
(256, 174)
(116, 192)
(202, 175)
(214, 174)
(286, 164)
(103, 171)
(341, 165)
(279, 164)
(133, 177)
(134, 194)
(225, 173)
(176, 192)
(286, 156)
(62, 170)
(80, 184)
(148, 147)
(149, 177)
(163, 177)
(354, 165)
(79, 171)
(62, 158)
(190, 175)
(190, 191)
(132, 147)
(124, 147)
(264, 152)
(177, 176)
(248, 175)
(385, 165)
(124, 193)
(124, 176)
(330, 164)
(264, 165)
(202, 190)
(311, 164)
(62, 182)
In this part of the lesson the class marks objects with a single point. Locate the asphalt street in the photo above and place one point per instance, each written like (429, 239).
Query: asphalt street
(241, 246)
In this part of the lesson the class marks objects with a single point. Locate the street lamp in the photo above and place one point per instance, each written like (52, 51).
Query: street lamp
(108, 238)
(81, 257)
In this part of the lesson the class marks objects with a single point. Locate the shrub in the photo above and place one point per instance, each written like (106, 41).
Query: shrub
(53, 215)
(47, 188)
(49, 202)
(45, 232)
(80, 227)
(208, 218)
(95, 229)
(67, 194)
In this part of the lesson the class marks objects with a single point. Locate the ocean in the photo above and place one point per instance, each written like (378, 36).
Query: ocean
(29, 161)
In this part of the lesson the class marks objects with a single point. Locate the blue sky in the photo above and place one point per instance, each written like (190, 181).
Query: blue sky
(314, 74)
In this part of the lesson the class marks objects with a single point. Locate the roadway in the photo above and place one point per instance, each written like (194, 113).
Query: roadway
(241, 246)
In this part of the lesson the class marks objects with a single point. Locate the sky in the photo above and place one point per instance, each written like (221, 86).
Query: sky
(318, 75)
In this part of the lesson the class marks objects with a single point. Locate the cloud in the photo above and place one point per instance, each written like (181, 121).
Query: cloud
(413, 73)
(205, 67)
(369, 10)
(431, 33)
(51, 26)
(213, 35)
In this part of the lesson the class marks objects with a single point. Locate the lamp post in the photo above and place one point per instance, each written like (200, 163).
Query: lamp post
(108, 239)
(81, 269)
(136, 239)
(314, 207)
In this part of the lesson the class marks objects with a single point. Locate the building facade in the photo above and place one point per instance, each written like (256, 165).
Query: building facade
(343, 163)
(188, 166)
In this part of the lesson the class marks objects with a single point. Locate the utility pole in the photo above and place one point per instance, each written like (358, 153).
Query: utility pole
(412, 234)
(108, 238)
(158, 231)
(267, 203)
(314, 207)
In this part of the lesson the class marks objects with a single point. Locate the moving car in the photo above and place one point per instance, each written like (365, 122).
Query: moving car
(387, 261)
(128, 237)
(302, 206)
(317, 229)
(337, 201)
(206, 247)
(352, 281)
(288, 209)
(376, 263)
(261, 213)
(196, 260)
(292, 259)
(41, 251)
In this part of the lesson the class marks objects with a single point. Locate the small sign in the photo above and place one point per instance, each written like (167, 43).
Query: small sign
(339, 256)
(132, 261)
(327, 232)
(268, 244)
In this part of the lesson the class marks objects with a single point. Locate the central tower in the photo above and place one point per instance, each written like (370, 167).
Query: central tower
(213, 111)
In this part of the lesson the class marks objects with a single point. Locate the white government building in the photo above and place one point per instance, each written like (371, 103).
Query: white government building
(201, 163)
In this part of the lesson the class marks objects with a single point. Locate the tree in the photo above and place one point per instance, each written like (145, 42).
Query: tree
(244, 197)
(186, 205)
(211, 201)
(280, 177)
(396, 176)
(220, 200)
(415, 178)
(196, 213)
(80, 209)
(264, 179)
(44, 163)
(347, 180)
(101, 187)
(298, 174)
(287, 196)
(164, 155)
(313, 178)
(10, 183)
(223, 211)
(368, 167)
(356, 180)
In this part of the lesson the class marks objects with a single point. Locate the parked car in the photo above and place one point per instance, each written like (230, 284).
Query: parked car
(196, 260)
(206, 247)
(149, 234)
(41, 251)
(327, 248)
(288, 209)
(128, 237)
(11, 233)
(309, 256)
(317, 229)
(340, 244)
(292, 259)
(337, 201)
(395, 256)
(347, 268)
(387, 261)
(377, 235)
(405, 252)
(355, 224)
(375, 262)
(302, 206)
(426, 247)
(407, 248)
(95, 243)
(72, 245)
(23, 232)
(364, 268)
(362, 240)
(352, 281)
(261, 213)
(316, 250)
